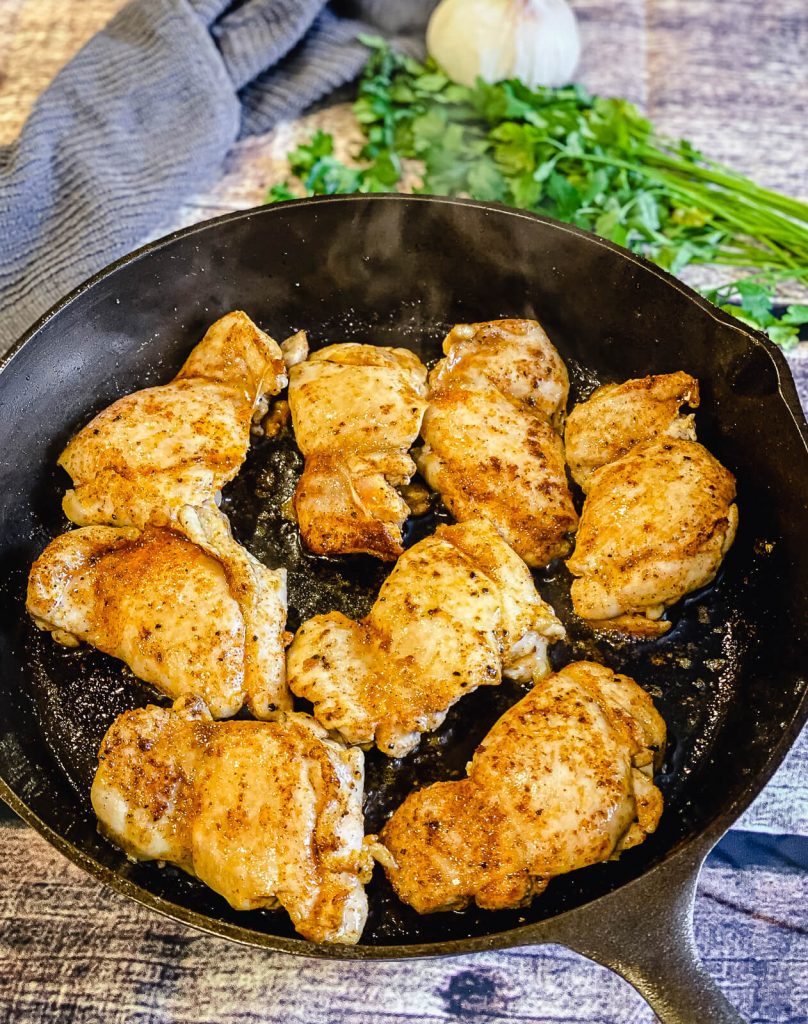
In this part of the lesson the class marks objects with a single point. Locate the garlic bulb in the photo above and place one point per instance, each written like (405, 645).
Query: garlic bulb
(535, 41)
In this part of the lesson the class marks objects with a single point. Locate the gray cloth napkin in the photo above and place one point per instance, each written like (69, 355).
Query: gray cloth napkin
(143, 117)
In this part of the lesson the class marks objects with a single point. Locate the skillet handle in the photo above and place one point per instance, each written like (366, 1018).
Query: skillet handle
(647, 938)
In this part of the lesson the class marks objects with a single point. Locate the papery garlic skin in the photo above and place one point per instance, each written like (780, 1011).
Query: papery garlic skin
(535, 41)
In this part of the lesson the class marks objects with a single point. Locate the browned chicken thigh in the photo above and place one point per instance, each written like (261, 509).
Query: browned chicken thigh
(618, 416)
(489, 455)
(563, 780)
(190, 612)
(514, 356)
(458, 611)
(267, 814)
(655, 526)
(356, 410)
(490, 444)
(152, 452)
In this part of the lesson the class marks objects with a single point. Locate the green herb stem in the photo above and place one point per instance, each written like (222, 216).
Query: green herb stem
(587, 160)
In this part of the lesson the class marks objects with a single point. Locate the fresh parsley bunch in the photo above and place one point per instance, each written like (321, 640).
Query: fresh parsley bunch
(588, 160)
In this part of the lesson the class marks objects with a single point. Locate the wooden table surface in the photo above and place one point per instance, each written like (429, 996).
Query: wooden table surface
(732, 75)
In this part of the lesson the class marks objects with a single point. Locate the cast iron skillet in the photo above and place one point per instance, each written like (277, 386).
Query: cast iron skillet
(729, 678)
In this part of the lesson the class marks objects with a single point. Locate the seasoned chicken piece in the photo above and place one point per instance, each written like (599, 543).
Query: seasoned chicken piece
(618, 416)
(563, 780)
(189, 612)
(267, 814)
(515, 356)
(490, 455)
(490, 446)
(656, 525)
(148, 454)
(458, 611)
(356, 409)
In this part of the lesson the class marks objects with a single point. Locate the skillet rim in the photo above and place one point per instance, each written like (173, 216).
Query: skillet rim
(693, 849)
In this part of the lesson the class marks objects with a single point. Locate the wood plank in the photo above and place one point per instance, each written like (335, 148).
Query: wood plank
(732, 76)
(72, 950)
(37, 38)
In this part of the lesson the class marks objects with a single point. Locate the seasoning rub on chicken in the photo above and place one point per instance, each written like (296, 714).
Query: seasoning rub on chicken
(268, 814)
(148, 454)
(563, 780)
(356, 410)
(659, 515)
(188, 609)
(656, 525)
(490, 443)
(458, 611)
(514, 356)
(618, 416)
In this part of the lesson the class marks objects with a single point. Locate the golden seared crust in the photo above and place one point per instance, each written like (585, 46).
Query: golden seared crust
(200, 617)
(148, 454)
(491, 447)
(350, 353)
(490, 455)
(515, 356)
(639, 627)
(618, 416)
(656, 525)
(345, 505)
(560, 782)
(450, 847)
(356, 409)
(461, 592)
(265, 813)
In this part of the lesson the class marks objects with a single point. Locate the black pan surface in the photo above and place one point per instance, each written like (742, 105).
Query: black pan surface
(730, 676)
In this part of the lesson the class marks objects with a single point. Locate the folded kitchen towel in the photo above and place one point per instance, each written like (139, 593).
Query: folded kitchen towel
(144, 115)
